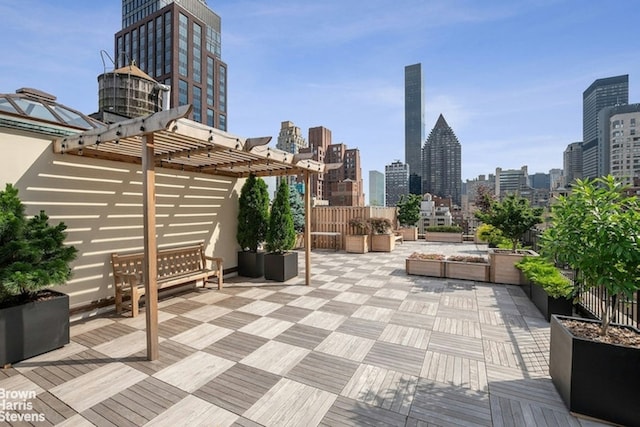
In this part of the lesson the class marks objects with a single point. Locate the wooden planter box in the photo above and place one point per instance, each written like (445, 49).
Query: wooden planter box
(33, 328)
(408, 233)
(425, 267)
(383, 242)
(467, 270)
(431, 236)
(595, 379)
(548, 305)
(503, 268)
(356, 243)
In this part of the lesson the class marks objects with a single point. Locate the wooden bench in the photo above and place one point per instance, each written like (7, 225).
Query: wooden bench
(176, 266)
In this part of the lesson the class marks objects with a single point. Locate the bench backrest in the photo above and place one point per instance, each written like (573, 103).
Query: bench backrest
(171, 261)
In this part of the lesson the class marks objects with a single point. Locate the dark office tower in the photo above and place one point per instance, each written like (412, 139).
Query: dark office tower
(413, 124)
(607, 92)
(442, 163)
(177, 43)
(572, 162)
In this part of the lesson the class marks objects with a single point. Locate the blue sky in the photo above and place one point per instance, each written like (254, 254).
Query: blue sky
(508, 76)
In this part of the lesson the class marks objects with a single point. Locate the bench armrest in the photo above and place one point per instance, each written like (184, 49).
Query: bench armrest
(131, 279)
(217, 260)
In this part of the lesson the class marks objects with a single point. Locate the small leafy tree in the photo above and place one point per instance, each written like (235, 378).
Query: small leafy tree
(513, 216)
(32, 252)
(253, 214)
(409, 210)
(281, 235)
(596, 231)
(297, 209)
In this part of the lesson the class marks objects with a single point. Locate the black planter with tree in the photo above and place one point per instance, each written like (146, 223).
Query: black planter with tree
(253, 222)
(33, 257)
(596, 231)
(280, 263)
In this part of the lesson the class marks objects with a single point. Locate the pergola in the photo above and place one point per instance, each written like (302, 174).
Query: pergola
(168, 140)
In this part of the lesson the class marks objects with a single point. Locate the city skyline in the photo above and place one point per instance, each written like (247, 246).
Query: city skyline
(509, 78)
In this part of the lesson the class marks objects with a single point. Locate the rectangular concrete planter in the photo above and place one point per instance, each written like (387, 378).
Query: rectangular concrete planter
(383, 242)
(356, 243)
(503, 268)
(425, 267)
(595, 379)
(408, 233)
(34, 328)
(467, 270)
(431, 236)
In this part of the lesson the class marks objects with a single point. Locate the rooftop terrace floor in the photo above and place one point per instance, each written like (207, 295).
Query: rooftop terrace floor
(365, 344)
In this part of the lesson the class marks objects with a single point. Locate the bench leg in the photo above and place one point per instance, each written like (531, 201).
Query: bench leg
(135, 299)
(118, 299)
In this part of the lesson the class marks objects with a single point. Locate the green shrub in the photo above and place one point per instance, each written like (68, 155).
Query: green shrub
(380, 225)
(253, 214)
(513, 216)
(32, 252)
(545, 274)
(281, 235)
(443, 229)
(297, 209)
(409, 210)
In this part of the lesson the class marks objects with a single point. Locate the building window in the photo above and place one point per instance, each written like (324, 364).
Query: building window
(159, 48)
(183, 93)
(210, 117)
(223, 122)
(142, 63)
(168, 42)
(183, 42)
(197, 104)
(197, 53)
(223, 83)
(210, 80)
(150, 68)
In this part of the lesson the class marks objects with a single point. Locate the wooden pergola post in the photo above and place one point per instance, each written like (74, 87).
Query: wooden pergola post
(307, 228)
(150, 245)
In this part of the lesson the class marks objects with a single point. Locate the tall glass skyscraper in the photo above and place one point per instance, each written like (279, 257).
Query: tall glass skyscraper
(413, 125)
(178, 43)
(607, 92)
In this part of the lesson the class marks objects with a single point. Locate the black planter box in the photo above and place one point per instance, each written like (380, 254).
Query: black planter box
(549, 305)
(281, 267)
(251, 264)
(34, 328)
(595, 379)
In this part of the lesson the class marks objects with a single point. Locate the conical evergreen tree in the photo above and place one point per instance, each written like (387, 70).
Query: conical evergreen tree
(281, 235)
(253, 213)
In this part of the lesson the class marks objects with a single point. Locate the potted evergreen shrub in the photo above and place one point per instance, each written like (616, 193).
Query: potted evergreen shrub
(550, 291)
(443, 233)
(382, 240)
(280, 263)
(253, 222)
(357, 241)
(513, 216)
(595, 365)
(33, 257)
(409, 215)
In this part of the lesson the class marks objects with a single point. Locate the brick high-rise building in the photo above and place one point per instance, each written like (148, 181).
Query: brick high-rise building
(178, 43)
